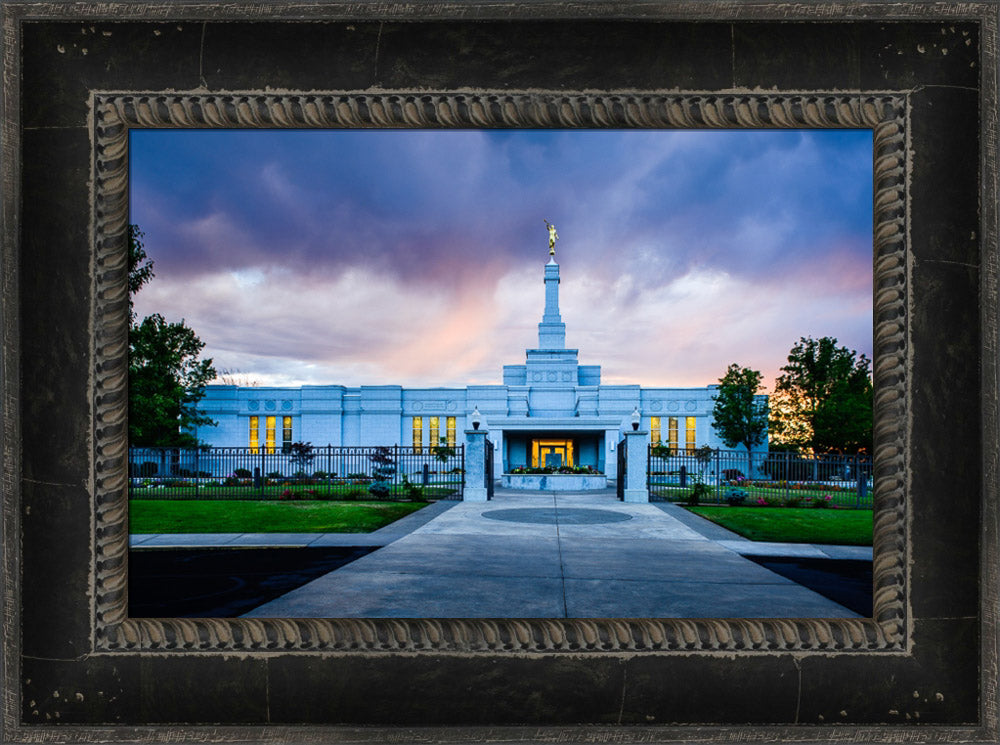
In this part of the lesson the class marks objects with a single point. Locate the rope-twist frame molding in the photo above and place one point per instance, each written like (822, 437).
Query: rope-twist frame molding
(114, 114)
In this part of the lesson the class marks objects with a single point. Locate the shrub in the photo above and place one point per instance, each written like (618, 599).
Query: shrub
(242, 473)
(794, 501)
(231, 481)
(443, 451)
(700, 490)
(274, 475)
(287, 494)
(302, 455)
(732, 474)
(663, 451)
(823, 502)
(736, 497)
(322, 475)
(413, 492)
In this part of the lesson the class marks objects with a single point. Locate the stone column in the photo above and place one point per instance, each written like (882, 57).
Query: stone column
(636, 480)
(475, 466)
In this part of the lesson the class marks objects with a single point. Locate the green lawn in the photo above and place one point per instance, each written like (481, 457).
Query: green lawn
(794, 524)
(233, 516)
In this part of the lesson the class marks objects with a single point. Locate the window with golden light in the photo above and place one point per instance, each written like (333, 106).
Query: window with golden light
(254, 432)
(418, 433)
(269, 433)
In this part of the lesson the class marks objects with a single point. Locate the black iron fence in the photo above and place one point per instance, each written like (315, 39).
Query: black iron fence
(489, 469)
(765, 478)
(622, 468)
(329, 472)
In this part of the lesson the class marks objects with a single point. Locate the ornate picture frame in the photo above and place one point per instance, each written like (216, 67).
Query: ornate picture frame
(923, 667)
(115, 114)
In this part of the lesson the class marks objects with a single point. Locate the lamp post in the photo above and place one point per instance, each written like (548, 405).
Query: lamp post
(477, 475)
(636, 461)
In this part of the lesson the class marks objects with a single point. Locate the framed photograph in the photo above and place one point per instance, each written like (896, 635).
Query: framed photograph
(373, 333)
(80, 79)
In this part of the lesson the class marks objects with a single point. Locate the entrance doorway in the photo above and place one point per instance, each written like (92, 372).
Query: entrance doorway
(551, 453)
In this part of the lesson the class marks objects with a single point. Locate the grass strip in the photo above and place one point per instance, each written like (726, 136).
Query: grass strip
(233, 516)
(793, 524)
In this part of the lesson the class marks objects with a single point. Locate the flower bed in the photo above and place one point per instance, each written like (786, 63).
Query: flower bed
(554, 481)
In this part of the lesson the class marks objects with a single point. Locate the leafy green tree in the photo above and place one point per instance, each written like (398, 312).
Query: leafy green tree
(140, 267)
(166, 380)
(740, 413)
(301, 456)
(827, 398)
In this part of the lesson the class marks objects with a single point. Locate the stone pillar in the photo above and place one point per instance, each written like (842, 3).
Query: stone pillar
(636, 479)
(475, 466)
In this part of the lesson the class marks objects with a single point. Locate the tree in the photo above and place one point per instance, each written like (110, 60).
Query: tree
(740, 414)
(443, 451)
(826, 393)
(166, 380)
(140, 267)
(302, 456)
(225, 376)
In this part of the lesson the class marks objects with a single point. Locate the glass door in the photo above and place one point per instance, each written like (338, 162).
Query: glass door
(551, 453)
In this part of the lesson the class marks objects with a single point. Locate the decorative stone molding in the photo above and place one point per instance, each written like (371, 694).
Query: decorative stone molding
(114, 114)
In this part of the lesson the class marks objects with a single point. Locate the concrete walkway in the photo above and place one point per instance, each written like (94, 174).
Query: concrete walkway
(545, 555)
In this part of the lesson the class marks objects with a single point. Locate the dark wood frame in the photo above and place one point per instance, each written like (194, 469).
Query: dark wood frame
(923, 76)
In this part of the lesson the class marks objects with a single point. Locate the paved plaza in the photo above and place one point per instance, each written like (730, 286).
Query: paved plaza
(546, 555)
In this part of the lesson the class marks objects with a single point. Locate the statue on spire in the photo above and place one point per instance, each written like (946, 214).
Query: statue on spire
(553, 237)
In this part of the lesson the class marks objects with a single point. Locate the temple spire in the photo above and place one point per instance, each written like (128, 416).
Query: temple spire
(552, 331)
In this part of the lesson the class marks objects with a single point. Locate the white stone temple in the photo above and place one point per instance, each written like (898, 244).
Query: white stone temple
(549, 410)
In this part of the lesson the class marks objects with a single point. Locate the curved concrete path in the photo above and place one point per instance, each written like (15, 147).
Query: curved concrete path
(546, 555)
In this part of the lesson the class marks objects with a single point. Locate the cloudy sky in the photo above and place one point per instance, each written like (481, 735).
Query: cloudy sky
(415, 257)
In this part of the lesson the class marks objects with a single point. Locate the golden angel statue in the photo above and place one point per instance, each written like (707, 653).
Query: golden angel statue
(553, 237)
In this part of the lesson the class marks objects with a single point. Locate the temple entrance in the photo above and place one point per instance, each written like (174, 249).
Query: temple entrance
(553, 448)
(551, 453)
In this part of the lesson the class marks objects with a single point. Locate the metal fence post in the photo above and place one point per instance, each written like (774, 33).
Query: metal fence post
(860, 483)
(718, 475)
(788, 468)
